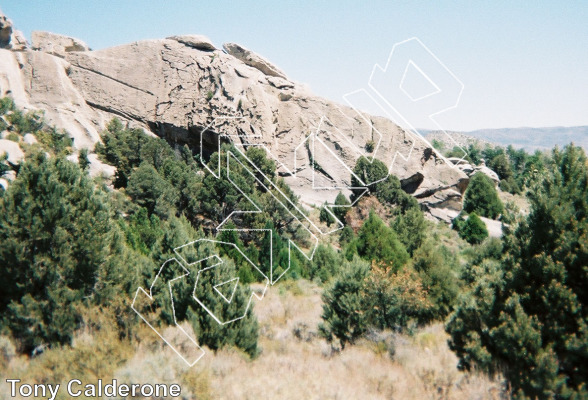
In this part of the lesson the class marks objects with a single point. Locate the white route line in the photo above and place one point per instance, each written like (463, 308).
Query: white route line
(324, 125)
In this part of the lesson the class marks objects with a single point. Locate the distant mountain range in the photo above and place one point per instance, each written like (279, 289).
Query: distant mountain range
(530, 139)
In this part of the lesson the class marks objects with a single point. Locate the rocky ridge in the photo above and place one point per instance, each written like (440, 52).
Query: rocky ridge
(183, 86)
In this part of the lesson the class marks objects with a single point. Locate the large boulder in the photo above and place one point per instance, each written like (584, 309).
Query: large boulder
(253, 60)
(58, 45)
(486, 171)
(15, 154)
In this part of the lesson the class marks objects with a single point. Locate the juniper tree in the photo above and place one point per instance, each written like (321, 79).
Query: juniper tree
(528, 316)
(482, 198)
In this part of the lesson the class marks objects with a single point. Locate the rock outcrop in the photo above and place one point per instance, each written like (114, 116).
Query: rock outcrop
(199, 42)
(253, 60)
(13, 150)
(56, 44)
(487, 171)
(9, 37)
(470, 170)
(182, 87)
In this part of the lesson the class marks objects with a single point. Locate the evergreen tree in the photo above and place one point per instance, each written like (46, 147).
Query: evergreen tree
(83, 160)
(229, 234)
(4, 167)
(473, 230)
(341, 211)
(325, 263)
(272, 251)
(528, 317)
(501, 166)
(242, 332)
(325, 216)
(391, 300)
(57, 248)
(481, 197)
(343, 315)
(436, 267)
(376, 241)
(411, 228)
(150, 190)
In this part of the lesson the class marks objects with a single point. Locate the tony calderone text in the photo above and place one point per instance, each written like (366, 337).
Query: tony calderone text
(76, 388)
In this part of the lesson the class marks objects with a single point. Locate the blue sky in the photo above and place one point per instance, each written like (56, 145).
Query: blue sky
(523, 63)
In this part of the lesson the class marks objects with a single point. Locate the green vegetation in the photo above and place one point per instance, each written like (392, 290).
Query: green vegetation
(343, 314)
(472, 230)
(91, 248)
(362, 297)
(526, 315)
(53, 218)
(376, 241)
(515, 168)
(73, 252)
(481, 197)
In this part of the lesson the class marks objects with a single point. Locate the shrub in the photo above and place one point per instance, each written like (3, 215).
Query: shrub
(391, 300)
(325, 216)
(436, 267)
(343, 316)
(83, 160)
(6, 105)
(325, 263)
(377, 242)
(473, 230)
(13, 137)
(7, 350)
(481, 197)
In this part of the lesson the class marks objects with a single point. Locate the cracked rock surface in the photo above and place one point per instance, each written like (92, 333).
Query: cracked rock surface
(180, 87)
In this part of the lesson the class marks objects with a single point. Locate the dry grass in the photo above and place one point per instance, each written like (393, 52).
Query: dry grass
(297, 364)
(294, 363)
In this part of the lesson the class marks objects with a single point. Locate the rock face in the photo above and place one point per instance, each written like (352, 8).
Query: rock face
(55, 44)
(253, 60)
(9, 37)
(199, 42)
(182, 87)
(5, 31)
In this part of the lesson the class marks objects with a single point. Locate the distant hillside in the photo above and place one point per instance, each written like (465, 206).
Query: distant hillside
(530, 139)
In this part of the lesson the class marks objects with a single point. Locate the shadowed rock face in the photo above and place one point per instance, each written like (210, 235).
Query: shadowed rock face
(182, 86)
(9, 37)
(5, 31)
